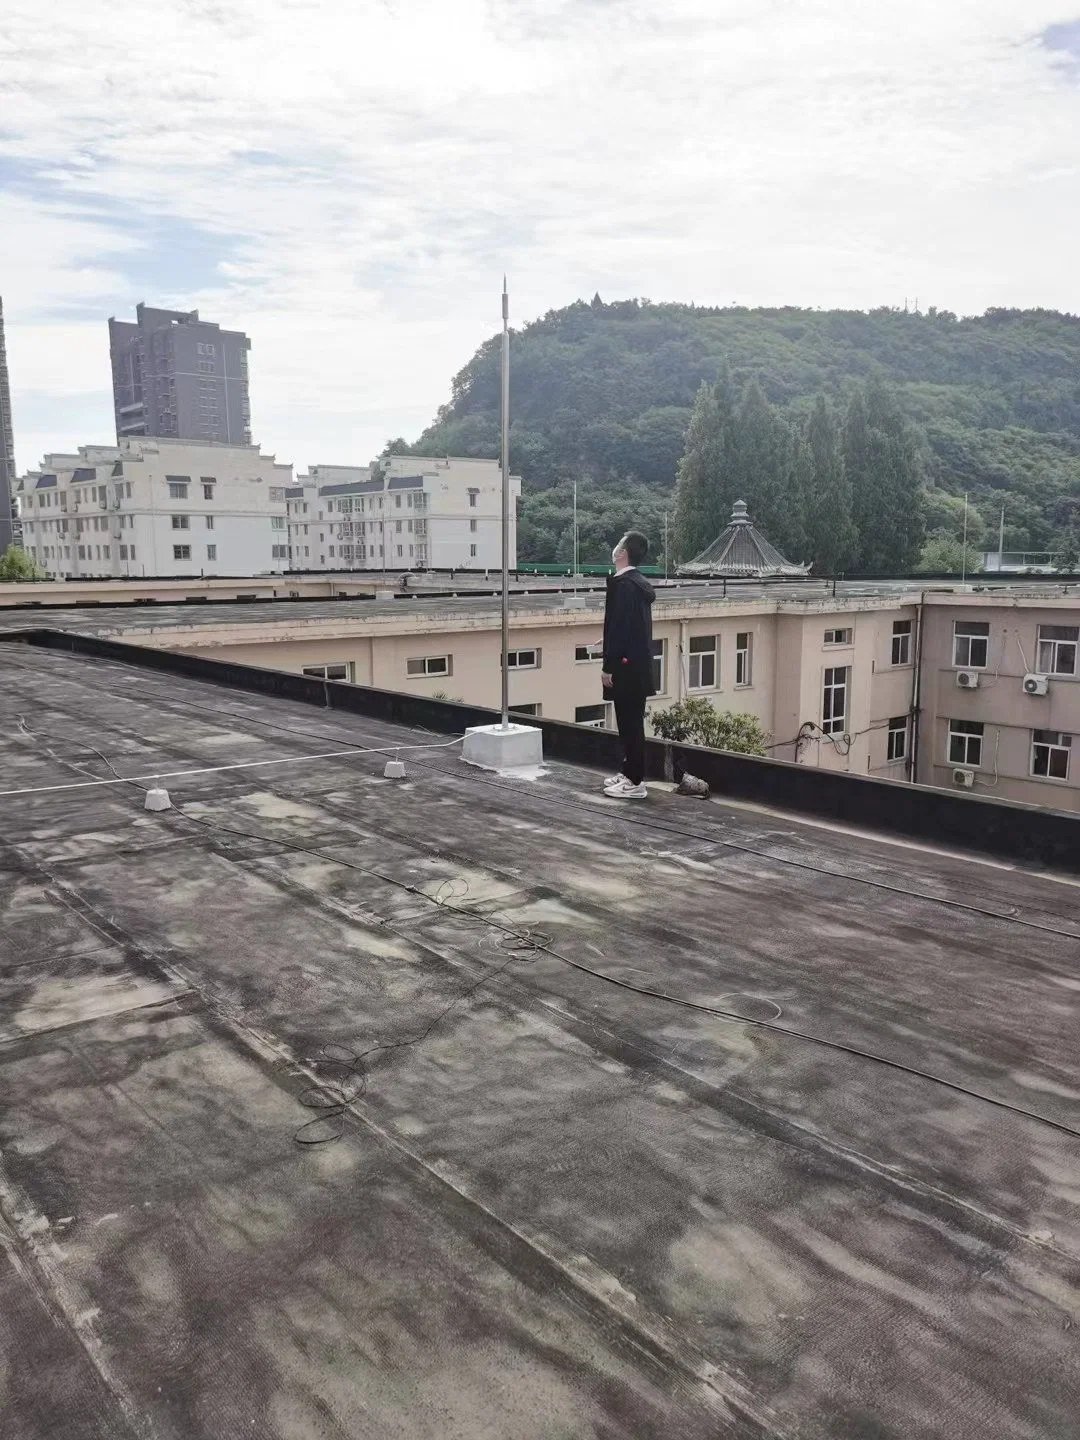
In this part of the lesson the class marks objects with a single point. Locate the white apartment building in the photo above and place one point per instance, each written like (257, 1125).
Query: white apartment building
(403, 512)
(149, 506)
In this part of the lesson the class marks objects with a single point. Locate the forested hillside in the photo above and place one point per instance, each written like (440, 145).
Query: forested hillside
(989, 405)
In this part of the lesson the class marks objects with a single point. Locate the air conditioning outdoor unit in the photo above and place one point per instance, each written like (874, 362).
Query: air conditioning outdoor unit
(1036, 684)
(967, 679)
(963, 779)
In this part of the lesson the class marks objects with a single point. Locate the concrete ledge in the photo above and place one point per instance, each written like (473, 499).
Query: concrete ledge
(1028, 834)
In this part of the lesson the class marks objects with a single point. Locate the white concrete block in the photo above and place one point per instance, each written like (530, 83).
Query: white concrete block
(515, 748)
(157, 799)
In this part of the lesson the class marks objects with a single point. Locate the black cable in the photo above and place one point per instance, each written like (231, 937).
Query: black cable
(628, 818)
(334, 1106)
(719, 1013)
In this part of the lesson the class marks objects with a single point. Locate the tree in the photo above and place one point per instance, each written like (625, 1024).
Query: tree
(830, 529)
(945, 555)
(882, 464)
(761, 457)
(705, 470)
(1068, 555)
(16, 566)
(695, 722)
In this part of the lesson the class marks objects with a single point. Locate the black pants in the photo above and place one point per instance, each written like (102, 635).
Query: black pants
(630, 719)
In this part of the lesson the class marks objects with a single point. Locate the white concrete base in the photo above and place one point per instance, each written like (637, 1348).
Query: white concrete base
(157, 799)
(493, 748)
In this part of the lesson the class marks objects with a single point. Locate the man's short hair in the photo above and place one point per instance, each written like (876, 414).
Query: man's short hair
(635, 545)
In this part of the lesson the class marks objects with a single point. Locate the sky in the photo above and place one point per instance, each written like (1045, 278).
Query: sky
(349, 182)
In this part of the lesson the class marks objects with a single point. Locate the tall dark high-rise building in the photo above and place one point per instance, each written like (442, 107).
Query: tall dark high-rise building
(7, 446)
(179, 377)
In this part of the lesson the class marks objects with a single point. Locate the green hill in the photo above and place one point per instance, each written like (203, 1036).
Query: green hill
(603, 393)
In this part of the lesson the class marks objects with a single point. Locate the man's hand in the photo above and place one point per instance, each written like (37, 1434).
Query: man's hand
(605, 680)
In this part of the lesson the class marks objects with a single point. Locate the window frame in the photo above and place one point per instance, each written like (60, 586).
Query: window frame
(1060, 745)
(847, 634)
(178, 489)
(701, 656)
(586, 658)
(899, 727)
(532, 707)
(900, 653)
(426, 662)
(177, 552)
(321, 672)
(513, 662)
(1052, 643)
(832, 723)
(744, 660)
(975, 636)
(659, 667)
(601, 721)
(211, 552)
(967, 738)
(181, 522)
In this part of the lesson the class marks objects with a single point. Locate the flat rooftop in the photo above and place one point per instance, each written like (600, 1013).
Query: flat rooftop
(824, 1181)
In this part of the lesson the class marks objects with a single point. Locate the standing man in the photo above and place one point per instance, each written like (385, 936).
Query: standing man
(628, 660)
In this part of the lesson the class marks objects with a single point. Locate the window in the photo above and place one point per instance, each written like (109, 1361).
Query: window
(898, 728)
(206, 366)
(472, 498)
(535, 709)
(430, 665)
(279, 552)
(118, 493)
(472, 526)
(1050, 754)
(834, 700)
(594, 715)
(131, 551)
(206, 349)
(702, 662)
(181, 522)
(105, 552)
(523, 659)
(211, 552)
(583, 654)
(400, 552)
(472, 552)
(965, 743)
(209, 522)
(123, 552)
(744, 658)
(82, 552)
(837, 637)
(901, 642)
(178, 489)
(277, 494)
(127, 489)
(971, 642)
(181, 552)
(1057, 649)
(277, 522)
(336, 670)
(397, 524)
(659, 665)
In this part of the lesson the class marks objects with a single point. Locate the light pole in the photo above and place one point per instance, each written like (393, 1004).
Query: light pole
(505, 507)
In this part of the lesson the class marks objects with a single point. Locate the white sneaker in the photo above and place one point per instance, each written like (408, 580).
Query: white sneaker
(624, 790)
(614, 780)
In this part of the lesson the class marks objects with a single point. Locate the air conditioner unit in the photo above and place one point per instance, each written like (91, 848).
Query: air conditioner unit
(963, 779)
(1036, 684)
(967, 679)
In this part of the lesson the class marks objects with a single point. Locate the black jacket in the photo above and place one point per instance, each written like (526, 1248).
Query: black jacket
(628, 656)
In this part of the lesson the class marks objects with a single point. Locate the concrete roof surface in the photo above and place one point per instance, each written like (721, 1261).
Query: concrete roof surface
(558, 1208)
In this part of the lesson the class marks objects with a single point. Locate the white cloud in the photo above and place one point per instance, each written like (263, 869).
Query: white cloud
(348, 183)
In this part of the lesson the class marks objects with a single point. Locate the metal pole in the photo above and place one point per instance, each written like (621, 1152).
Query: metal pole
(665, 544)
(963, 571)
(505, 507)
(1001, 541)
(575, 539)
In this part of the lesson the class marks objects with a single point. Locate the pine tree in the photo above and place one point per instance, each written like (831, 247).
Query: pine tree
(704, 474)
(883, 467)
(830, 529)
(759, 464)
